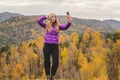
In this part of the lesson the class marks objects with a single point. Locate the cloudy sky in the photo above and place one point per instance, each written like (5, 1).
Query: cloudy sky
(88, 9)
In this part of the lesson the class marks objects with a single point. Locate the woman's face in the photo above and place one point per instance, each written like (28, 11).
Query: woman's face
(53, 19)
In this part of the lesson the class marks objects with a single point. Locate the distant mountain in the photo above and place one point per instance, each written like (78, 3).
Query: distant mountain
(23, 28)
(7, 15)
(92, 23)
(115, 24)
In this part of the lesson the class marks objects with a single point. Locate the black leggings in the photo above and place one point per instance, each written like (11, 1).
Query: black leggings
(51, 50)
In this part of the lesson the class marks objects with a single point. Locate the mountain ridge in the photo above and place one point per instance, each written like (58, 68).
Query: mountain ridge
(115, 24)
(7, 15)
(23, 28)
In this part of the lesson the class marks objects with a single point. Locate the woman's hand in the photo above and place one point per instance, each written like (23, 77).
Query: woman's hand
(47, 17)
(69, 17)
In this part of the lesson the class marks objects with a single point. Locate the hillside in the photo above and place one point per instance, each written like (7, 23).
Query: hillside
(113, 23)
(22, 28)
(18, 29)
(85, 56)
(94, 24)
(7, 15)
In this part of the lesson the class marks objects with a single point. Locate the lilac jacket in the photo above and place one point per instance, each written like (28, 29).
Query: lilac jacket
(52, 37)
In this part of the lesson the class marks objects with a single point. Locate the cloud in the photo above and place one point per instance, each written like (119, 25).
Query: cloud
(58, 1)
(99, 9)
(27, 2)
(21, 2)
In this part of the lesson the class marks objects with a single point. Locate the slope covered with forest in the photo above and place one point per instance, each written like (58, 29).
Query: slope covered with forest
(7, 15)
(82, 57)
(22, 28)
(89, 50)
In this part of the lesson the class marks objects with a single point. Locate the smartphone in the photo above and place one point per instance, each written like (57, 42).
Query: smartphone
(67, 13)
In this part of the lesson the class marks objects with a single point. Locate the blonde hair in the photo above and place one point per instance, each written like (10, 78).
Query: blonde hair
(49, 23)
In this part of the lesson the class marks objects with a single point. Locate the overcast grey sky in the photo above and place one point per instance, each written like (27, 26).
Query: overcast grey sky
(89, 9)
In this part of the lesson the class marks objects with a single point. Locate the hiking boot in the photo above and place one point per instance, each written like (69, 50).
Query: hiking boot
(48, 78)
(52, 78)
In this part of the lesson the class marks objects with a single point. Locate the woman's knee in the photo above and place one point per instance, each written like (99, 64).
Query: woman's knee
(56, 63)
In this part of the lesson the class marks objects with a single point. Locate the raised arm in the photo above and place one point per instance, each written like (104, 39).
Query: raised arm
(40, 21)
(65, 27)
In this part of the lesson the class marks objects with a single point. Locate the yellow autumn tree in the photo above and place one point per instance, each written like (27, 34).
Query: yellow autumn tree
(85, 68)
(97, 40)
(73, 43)
(99, 64)
(74, 37)
(86, 35)
(116, 59)
(85, 44)
(64, 56)
(18, 72)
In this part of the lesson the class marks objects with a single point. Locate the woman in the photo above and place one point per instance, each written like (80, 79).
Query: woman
(51, 45)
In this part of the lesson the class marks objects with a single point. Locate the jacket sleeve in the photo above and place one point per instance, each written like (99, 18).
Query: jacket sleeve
(40, 21)
(64, 27)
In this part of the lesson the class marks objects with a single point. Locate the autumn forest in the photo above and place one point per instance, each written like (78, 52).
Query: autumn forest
(89, 55)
